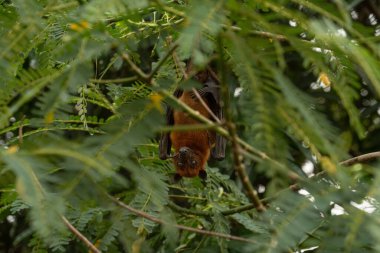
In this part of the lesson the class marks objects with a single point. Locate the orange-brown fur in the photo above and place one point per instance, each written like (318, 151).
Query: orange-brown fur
(199, 141)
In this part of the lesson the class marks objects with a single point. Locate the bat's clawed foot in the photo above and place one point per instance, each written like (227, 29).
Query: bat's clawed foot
(172, 156)
(202, 175)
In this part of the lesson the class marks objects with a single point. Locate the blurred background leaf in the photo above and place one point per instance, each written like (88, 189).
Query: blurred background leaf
(78, 125)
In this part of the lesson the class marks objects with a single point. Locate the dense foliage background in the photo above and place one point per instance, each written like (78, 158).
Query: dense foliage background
(83, 90)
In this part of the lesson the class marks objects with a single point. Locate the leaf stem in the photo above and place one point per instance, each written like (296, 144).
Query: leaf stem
(236, 149)
(116, 80)
(181, 227)
(162, 61)
(80, 236)
(134, 67)
(361, 158)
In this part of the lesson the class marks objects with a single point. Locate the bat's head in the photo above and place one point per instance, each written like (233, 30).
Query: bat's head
(188, 163)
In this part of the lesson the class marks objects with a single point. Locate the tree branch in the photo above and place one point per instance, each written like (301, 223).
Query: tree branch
(181, 227)
(241, 171)
(236, 150)
(361, 158)
(134, 67)
(80, 236)
(170, 9)
(258, 33)
(192, 127)
(162, 61)
(196, 93)
(142, 74)
(239, 209)
(117, 80)
(187, 210)
(231, 211)
(20, 131)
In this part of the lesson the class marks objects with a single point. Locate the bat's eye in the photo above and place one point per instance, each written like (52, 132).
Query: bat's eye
(180, 164)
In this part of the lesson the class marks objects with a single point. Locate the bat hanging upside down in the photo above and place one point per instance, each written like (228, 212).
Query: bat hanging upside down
(193, 148)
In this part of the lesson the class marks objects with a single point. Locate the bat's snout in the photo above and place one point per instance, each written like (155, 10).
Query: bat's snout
(184, 151)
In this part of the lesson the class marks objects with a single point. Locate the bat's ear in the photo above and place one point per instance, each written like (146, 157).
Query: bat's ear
(202, 174)
(177, 177)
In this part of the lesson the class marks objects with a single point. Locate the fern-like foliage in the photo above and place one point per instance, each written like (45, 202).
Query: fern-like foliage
(83, 90)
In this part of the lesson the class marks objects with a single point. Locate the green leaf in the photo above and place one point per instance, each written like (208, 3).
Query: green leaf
(205, 17)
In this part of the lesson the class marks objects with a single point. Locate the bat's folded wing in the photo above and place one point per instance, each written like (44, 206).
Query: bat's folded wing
(165, 144)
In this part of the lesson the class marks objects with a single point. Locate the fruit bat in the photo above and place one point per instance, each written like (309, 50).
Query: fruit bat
(193, 148)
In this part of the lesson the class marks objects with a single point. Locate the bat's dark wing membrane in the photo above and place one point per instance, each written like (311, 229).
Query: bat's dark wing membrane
(218, 152)
(211, 92)
(165, 144)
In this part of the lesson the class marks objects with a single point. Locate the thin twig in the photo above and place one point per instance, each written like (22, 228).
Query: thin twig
(134, 67)
(116, 80)
(241, 171)
(258, 33)
(268, 35)
(361, 158)
(187, 210)
(20, 131)
(206, 106)
(80, 236)
(311, 233)
(140, 73)
(239, 209)
(183, 128)
(236, 150)
(231, 211)
(104, 99)
(170, 9)
(196, 93)
(142, 29)
(214, 75)
(181, 227)
(162, 61)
